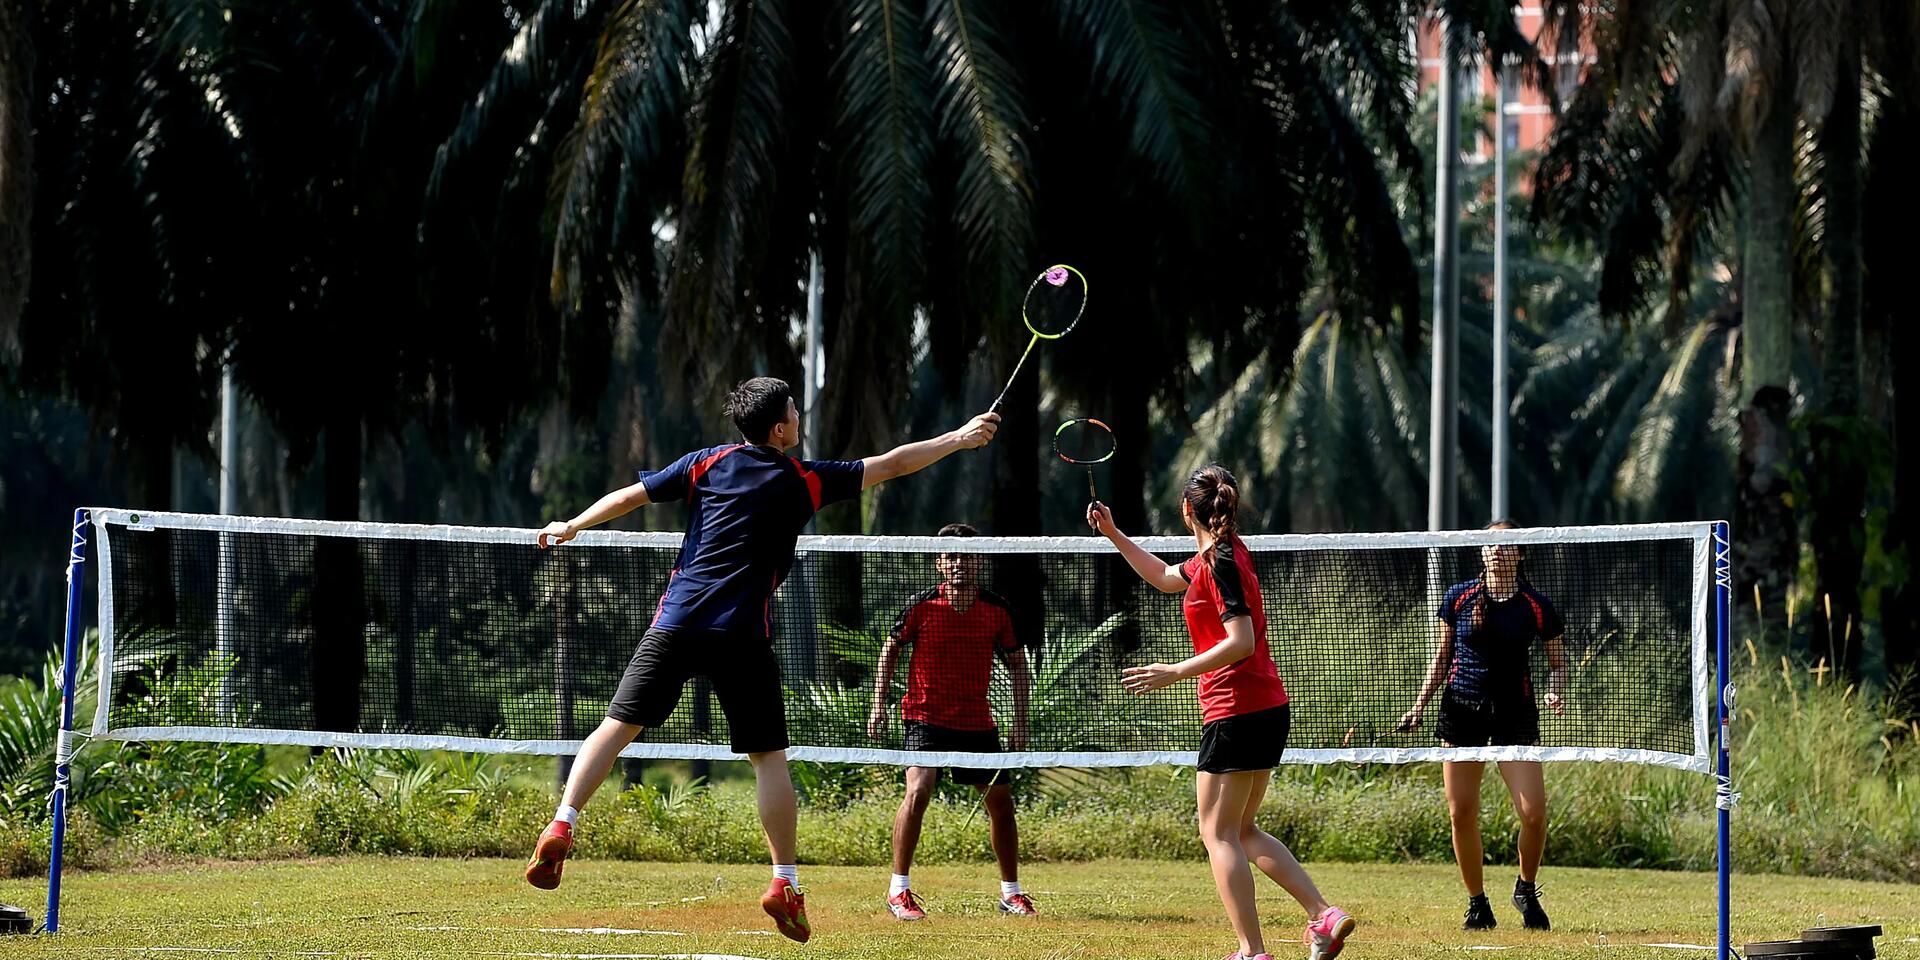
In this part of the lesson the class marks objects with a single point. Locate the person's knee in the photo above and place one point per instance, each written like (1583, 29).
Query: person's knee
(768, 761)
(920, 791)
(1533, 813)
(997, 798)
(1463, 812)
(1223, 844)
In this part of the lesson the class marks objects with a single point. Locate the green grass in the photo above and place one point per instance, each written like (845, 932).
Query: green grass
(374, 907)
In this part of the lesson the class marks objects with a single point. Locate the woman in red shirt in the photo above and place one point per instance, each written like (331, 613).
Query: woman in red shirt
(1243, 706)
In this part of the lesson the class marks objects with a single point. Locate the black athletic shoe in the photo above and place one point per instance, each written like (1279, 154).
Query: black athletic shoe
(1479, 914)
(1526, 899)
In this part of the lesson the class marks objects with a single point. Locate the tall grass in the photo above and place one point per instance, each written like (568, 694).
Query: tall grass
(1828, 784)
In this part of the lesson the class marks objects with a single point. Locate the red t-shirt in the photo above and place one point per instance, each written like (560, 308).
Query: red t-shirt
(1220, 588)
(952, 659)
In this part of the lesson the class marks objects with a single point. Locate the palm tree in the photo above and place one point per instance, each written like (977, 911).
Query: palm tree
(1690, 114)
(1152, 144)
(16, 164)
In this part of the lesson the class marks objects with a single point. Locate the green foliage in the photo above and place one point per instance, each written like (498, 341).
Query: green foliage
(1829, 789)
(30, 732)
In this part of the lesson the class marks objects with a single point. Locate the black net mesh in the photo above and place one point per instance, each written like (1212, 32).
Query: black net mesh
(426, 637)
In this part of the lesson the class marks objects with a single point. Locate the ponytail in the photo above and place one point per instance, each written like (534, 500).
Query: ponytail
(1214, 497)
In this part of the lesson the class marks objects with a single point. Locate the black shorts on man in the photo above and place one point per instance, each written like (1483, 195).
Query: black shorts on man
(740, 665)
(927, 738)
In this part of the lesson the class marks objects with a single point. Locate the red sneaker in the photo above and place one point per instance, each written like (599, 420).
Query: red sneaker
(906, 906)
(550, 855)
(788, 907)
(1020, 905)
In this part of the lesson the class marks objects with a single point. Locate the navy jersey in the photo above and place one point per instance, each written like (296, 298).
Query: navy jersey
(746, 506)
(1491, 660)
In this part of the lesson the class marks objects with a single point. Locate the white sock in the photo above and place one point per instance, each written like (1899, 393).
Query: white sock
(1009, 888)
(897, 884)
(789, 871)
(566, 815)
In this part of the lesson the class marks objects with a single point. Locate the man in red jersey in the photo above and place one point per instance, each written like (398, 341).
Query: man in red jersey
(955, 631)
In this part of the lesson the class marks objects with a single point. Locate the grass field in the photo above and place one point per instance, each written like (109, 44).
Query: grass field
(365, 907)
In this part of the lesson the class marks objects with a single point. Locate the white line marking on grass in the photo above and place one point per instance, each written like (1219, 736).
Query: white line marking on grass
(212, 950)
(625, 956)
(1678, 946)
(600, 931)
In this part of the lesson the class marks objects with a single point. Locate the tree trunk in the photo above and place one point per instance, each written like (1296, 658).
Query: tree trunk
(339, 653)
(1838, 480)
(1765, 531)
(1891, 207)
(16, 165)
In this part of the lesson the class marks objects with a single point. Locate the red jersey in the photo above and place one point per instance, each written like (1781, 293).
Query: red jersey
(1220, 588)
(952, 660)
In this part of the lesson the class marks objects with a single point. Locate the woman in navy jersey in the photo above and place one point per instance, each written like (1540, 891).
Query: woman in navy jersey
(1488, 628)
(1243, 706)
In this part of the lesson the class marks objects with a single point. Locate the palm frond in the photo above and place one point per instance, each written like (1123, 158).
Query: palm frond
(884, 119)
(530, 67)
(629, 129)
(739, 134)
(981, 118)
(1148, 58)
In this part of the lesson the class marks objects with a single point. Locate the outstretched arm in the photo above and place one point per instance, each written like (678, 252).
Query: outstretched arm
(917, 456)
(1152, 569)
(619, 503)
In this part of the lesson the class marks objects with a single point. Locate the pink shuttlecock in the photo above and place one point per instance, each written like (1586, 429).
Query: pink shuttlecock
(1057, 275)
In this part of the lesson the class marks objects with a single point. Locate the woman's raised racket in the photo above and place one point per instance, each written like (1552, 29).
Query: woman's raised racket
(1084, 442)
(1055, 300)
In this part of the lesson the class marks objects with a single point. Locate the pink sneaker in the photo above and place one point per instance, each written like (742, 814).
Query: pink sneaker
(1328, 933)
(1020, 905)
(906, 906)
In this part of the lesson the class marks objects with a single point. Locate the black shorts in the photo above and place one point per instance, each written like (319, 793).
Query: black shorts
(741, 667)
(927, 737)
(1250, 741)
(1494, 722)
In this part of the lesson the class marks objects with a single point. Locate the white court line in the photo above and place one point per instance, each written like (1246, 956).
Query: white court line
(602, 931)
(625, 956)
(265, 950)
(1678, 946)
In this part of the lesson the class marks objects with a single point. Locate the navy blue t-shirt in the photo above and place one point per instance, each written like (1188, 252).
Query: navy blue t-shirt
(1490, 661)
(746, 506)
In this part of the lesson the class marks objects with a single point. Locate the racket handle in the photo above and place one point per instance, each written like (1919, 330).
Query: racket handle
(1002, 398)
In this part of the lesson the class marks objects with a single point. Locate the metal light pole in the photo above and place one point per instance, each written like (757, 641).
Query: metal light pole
(1500, 396)
(1443, 432)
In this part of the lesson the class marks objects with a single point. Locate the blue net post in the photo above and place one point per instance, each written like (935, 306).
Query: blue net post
(1724, 797)
(63, 758)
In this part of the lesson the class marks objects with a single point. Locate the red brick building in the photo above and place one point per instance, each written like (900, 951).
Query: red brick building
(1529, 118)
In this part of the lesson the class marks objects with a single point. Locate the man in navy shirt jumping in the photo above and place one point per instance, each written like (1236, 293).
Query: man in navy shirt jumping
(746, 504)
